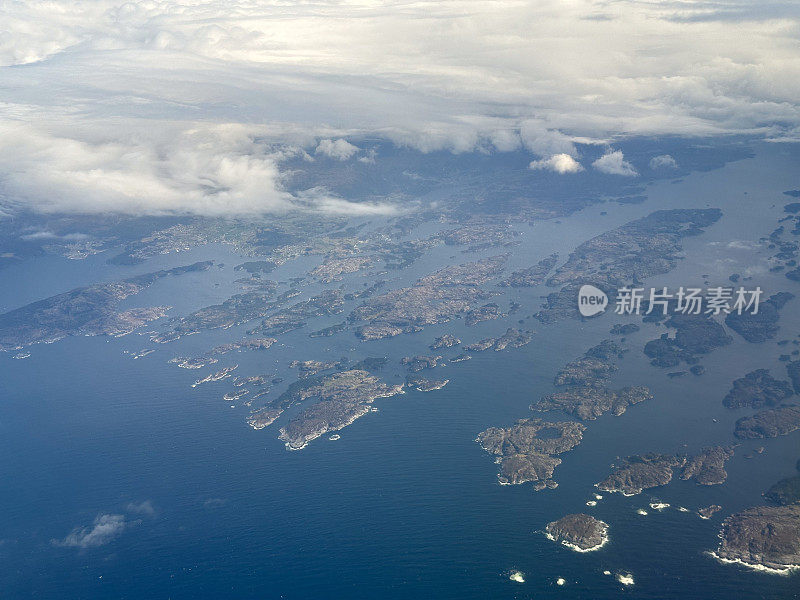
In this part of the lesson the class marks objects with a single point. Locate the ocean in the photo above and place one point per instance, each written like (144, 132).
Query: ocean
(405, 504)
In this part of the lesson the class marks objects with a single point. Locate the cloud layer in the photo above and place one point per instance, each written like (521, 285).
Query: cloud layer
(105, 528)
(186, 106)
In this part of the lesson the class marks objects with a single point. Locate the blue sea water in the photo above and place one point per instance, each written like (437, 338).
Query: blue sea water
(405, 504)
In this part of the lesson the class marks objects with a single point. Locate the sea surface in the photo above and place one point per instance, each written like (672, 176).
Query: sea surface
(406, 504)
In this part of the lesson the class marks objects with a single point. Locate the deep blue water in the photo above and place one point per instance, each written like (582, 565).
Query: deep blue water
(406, 504)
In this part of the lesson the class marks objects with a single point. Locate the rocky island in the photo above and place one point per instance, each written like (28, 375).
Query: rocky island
(436, 298)
(340, 399)
(763, 537)
(579, 532)
(769, 423)
(763, 325)
(641, 472)
(756, 389)
(525, 451)
(632, 252)
(583, 387)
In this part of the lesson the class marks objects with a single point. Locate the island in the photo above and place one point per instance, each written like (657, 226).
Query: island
(579, 532)
(632, 252)
(756, 389)
(445, 341)
(338, 399)
(763, 325)
(532, 276)
(421, 384)
(583, 386)
(512, 338)
(344, 397)
(709, 511)
(695, 334)
(762, 537)
(769, 423)
(641, 472)
(420, 362)
(90, 310)
(526, 450)
(435, 298)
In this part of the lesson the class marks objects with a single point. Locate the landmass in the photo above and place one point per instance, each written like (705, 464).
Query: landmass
(420, 362)
(641, 472)
(579, 532)
(525, 451)
(436, 298)
(445, 341)
(756, 389)
(90, 310)
(532, 276)
(762, 537)
(632, 252)
(512, 338)
(421, 384)
(769, 423)
(763, 325)
(583, 386)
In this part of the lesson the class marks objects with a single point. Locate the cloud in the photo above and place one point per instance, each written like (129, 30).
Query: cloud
(142, 508)
(166, 168)
(558, 163)
(338, 149)
(186, 107)
(663, 161)
(614, 163)
(105, 528)
(543, 141)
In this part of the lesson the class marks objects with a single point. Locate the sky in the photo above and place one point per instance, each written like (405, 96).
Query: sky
(167, 107)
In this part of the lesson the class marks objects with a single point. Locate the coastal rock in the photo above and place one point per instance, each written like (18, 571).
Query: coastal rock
(762, 536)
(580, 532)
(709, 511)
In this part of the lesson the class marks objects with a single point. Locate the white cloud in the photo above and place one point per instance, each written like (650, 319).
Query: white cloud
(105, 528)
(614, 163)
(165, 168)
(177, 106)
(338, 149)
(559, 163)
(543, 141)
(663, 161)
(142, 508)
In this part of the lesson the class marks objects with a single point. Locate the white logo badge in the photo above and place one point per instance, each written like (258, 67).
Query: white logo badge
(591, 300)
